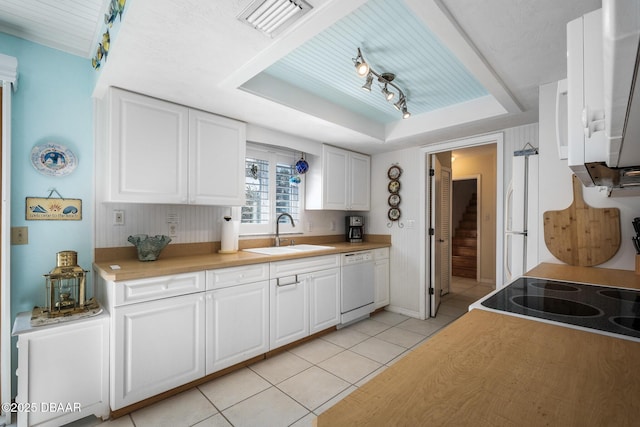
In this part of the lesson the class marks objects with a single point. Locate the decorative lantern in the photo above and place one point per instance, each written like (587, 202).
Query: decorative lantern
(66, 286)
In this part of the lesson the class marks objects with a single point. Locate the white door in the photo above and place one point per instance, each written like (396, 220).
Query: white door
(237, 326)
(381, 278)
(159, 345)
(289, 310)
(324, 299)
(217, 147)
(360, 179)
(147, 150)
(335, 178)
(441, 224)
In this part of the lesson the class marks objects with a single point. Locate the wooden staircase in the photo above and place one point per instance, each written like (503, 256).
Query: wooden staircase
(465, 243)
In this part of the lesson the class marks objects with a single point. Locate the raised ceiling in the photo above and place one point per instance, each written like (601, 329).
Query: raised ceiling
(392, 40)
(468, 67)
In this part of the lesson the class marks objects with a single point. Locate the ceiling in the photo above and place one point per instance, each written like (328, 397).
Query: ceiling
(467, 67)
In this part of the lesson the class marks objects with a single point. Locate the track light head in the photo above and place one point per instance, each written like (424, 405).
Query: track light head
(387, 93)
(362, 68)
(401, 103)
(405, 113)
(367, 85)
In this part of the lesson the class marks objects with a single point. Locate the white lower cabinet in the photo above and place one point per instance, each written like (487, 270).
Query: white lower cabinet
(237, 325)
(381, 277)
(157, 345)
(63, 370)
(324, 299)
(289, 310)
(167, 331)
(304, 298)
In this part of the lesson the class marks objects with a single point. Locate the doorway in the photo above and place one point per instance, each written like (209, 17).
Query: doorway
(490, 219)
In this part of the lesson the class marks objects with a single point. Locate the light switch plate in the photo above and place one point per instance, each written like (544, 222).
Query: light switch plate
(19, 235)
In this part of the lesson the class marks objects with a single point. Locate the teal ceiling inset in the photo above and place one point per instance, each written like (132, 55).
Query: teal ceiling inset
(393, 40)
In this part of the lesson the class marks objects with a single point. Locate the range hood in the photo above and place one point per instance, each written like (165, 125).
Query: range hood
(603, 116)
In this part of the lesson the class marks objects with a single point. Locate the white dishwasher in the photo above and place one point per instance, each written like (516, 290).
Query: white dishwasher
(357, 286)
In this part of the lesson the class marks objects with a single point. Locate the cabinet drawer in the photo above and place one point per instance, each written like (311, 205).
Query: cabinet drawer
(304, 265)
(133, 291)
(381, 253)
(233, 276)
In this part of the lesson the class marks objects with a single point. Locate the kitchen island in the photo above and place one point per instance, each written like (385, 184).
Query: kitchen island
(490, 369)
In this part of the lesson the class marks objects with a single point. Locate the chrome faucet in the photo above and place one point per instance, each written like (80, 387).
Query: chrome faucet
(277, 243)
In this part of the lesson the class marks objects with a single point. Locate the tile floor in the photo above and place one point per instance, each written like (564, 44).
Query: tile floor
(278, 392)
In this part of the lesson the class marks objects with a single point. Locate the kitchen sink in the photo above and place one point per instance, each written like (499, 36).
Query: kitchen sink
(283, 250)
(306, 248)
(273, 250)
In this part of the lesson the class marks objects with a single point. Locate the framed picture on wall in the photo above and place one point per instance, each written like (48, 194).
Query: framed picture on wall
(39, 208)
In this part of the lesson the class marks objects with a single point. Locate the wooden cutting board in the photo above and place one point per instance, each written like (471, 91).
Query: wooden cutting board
(580, 234)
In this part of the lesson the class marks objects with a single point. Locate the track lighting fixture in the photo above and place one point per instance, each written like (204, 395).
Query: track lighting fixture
(385, 80)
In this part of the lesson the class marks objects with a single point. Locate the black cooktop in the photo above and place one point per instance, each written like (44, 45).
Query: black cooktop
(608, 309)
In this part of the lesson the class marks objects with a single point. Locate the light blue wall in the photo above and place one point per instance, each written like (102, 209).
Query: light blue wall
(52, 104)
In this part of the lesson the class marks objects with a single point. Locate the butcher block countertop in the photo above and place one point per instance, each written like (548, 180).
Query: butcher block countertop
(490, 369)
(130, 268)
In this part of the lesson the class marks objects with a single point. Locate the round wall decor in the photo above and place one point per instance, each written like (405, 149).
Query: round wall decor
(394, 186)
(53, 159)
(394, 172)
(394, 200)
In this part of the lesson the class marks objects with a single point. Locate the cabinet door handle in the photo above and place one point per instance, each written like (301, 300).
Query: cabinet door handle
(295, 282)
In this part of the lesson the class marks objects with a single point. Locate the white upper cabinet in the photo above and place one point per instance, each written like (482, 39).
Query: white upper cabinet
(217, 148)
(340, 182)
(159, 152)
(360, 182)
(146, 150)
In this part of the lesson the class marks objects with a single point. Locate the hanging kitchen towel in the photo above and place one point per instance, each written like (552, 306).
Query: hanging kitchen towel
(582, 235)
(229, 235)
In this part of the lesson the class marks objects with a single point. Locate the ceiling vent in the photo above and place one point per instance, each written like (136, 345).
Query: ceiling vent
(273, 16)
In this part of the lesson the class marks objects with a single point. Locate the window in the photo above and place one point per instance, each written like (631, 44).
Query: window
(270, 190)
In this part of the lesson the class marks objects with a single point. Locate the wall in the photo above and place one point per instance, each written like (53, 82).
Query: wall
(406, 263)
(556, 189)
(52, 104)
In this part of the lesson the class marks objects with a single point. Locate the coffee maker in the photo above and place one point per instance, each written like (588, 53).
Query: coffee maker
(354, 228)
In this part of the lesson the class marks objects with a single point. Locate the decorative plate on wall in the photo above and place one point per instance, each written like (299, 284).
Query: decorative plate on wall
(394, 172)
(394, 186)
(53, 159)
(394, 200)
(394, 214)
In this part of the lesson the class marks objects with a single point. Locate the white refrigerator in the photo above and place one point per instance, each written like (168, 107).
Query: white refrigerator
(521, 215)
